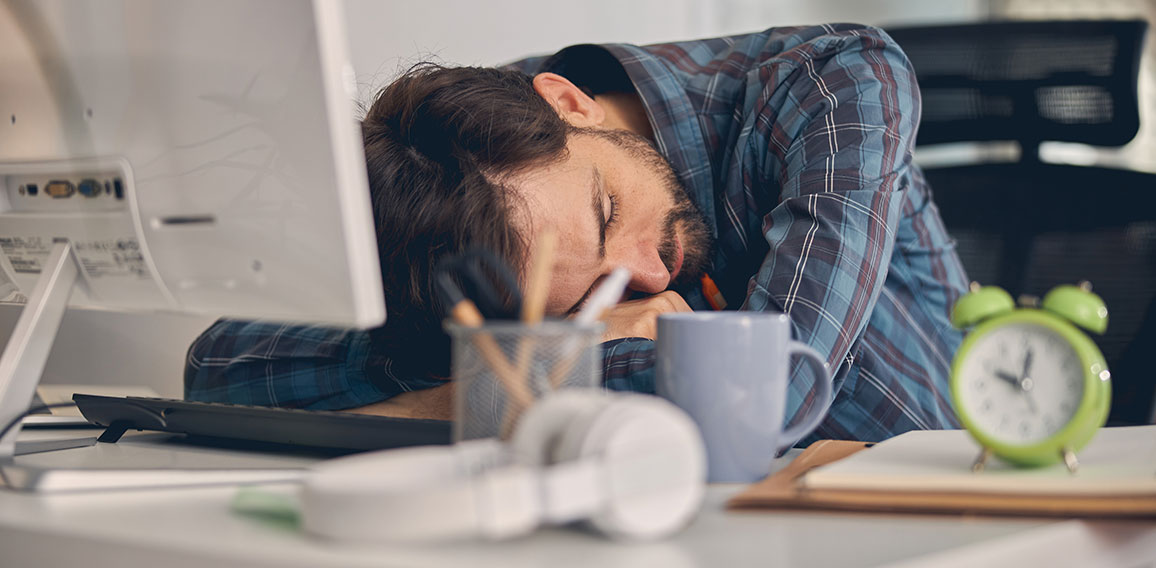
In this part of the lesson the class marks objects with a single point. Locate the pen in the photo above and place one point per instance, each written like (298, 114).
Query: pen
(601, 299)
(604, 297)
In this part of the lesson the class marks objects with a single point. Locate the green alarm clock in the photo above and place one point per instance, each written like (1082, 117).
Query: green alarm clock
(1027, 384)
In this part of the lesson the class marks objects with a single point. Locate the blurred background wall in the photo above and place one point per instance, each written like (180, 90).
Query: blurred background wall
(491, 33)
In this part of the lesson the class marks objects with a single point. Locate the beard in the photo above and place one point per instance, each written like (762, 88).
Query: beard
(684, 216)
(696, 240)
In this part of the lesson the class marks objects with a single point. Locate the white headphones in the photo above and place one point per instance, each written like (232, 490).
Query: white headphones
(630, 465)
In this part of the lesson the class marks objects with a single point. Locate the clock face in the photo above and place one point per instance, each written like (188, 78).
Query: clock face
(1021, 383)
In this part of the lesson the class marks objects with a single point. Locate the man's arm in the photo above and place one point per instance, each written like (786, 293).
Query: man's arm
(310, 367)
(436, 403)
(838, 125)
(321, 368)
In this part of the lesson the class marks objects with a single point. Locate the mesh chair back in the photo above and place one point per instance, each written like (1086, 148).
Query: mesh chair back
(1069, 81)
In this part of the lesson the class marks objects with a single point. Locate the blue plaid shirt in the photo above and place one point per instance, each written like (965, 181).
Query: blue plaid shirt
(796, 143)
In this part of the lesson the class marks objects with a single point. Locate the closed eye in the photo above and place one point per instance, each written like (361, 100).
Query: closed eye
(613, 210)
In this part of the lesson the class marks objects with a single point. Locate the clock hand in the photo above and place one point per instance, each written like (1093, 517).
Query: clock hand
(1027, 364)
(1021, 386)
(1031, 401)
(1008, 378)
(1025, 382)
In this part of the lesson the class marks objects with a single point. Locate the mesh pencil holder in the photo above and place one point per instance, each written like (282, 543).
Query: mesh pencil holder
(501, 368)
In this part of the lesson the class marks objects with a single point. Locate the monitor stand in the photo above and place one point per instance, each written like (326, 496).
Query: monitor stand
(23, 360)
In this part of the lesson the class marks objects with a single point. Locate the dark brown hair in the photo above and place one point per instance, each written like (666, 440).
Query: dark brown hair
(436, 139)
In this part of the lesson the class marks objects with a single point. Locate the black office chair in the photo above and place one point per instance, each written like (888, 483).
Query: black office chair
(1029, 225)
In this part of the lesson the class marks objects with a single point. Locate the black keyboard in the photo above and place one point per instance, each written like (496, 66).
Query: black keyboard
(234, 424)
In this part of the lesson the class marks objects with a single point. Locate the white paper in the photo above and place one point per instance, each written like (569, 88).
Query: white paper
(1118, 461)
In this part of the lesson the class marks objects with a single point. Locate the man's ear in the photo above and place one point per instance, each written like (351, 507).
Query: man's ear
(573, 105)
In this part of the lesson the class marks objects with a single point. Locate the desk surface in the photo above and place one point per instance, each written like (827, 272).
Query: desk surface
(195, 527)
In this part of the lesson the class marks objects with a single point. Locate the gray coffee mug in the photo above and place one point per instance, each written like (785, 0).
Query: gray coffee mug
(729, 371)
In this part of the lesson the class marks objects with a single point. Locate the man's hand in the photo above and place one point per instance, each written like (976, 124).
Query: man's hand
(639, 318)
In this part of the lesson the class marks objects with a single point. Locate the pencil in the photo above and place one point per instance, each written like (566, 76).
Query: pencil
(465, 313)
(533, 310)
(538, 282)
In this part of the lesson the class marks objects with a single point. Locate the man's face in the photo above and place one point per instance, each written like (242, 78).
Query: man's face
(613, 201)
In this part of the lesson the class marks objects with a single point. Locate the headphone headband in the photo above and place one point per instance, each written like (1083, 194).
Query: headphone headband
(633, 465)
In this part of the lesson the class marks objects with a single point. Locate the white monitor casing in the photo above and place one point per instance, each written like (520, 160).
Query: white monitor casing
(199, 157)
(231, 128)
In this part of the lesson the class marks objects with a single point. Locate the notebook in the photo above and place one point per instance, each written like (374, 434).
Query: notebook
(1118, 461)
(930, 471)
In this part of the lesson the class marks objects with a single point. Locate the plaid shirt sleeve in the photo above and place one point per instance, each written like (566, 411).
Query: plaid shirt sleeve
(273, 364)
(628, 365)
(324, 368)
(838, 126)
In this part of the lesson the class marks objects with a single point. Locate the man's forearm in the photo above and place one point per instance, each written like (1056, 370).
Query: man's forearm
(435, 403)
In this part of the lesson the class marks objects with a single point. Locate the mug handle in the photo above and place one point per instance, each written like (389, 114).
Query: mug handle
(818, 410)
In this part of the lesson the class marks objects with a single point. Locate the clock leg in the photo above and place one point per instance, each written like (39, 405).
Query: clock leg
(981, 461)
(1070, 460)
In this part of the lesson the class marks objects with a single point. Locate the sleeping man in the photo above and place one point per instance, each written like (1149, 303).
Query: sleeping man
(769, 171)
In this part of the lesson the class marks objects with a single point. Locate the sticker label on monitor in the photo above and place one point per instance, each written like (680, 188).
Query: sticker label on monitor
(25, 254)
(99, 258)
(112, 257)
(9, 291)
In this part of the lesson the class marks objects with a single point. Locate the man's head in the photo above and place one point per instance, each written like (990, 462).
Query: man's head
(462, 157)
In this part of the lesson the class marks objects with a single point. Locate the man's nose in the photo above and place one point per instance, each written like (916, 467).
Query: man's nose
(647, 272)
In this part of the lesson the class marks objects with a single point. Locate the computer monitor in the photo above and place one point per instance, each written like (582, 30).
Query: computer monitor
(190, 156)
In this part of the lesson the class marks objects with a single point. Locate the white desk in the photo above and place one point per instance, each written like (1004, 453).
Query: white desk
(195, 527)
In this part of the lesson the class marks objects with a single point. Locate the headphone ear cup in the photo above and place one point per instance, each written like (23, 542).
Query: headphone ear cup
(653, 463)
(543, 425)
(574, 442)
